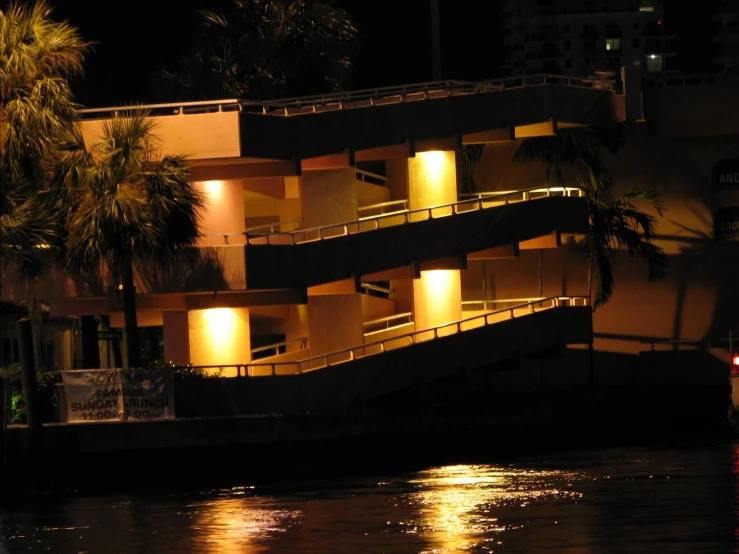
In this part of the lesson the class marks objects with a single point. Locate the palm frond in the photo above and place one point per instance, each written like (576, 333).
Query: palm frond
(37, 55)
(604, 278)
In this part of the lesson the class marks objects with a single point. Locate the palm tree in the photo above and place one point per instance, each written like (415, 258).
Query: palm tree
(37, 55)
(577, 149)
(618, 226)
(265, 49)
(467, 159)
(126, 206)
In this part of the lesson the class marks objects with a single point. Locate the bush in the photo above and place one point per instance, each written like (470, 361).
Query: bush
(47, 398)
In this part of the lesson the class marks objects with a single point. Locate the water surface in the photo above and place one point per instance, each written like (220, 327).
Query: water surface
(639, 499)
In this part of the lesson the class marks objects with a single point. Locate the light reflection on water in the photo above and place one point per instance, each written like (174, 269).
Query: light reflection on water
(619, 500)
(457, 505)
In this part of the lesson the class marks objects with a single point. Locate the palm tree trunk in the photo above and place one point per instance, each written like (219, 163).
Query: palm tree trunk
(90, 345)
(115, 342)
(36, 319)
(591, 261)
(129, 315)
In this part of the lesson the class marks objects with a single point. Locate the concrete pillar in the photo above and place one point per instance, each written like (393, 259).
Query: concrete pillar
(437, 298)
(176, 337)
(224, 211)
(296, 326)
(328, 196)
(219, 336)
(437, 295)
(334, 322)
(432, 179)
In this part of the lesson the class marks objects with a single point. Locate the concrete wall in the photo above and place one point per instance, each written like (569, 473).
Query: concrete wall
(224, 212)
(176, 337)
(328, 196)
(697, 299)
(369, 194)
(692, 110)
(334, 322)
(197, 136)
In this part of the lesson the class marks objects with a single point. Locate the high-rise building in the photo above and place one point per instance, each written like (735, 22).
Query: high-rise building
(582, 37)
(727, 36)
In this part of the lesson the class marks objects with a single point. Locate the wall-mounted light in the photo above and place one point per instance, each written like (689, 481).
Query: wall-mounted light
(214, 188)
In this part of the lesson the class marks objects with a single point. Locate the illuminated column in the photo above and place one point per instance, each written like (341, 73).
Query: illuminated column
(219, 336)
(437, 295)
(432, 179)
(223, 213)
(176, 337)
(437, 298)
(334, 320)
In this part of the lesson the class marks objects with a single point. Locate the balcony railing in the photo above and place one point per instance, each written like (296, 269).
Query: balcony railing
(374, 290)
(402, 341)
(279, 348)
(341, 100)
(473, 202)
(387, 323)
(372, 178)
(383, 208)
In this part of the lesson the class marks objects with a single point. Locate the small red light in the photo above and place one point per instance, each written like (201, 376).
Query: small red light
(659, 22)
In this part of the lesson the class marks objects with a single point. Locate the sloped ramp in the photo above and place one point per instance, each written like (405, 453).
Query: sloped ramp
(337, 387)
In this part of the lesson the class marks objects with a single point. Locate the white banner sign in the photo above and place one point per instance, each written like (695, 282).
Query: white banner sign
(118, 395)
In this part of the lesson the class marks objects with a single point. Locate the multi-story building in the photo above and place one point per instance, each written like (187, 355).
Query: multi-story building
(583, 37)
(340, 263)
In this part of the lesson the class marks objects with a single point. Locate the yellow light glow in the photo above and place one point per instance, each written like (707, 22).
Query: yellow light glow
(221, 322)
(214, 189)
(438, 282)
(437, 298)
(432, 179)
(435, 162)
(219, 336)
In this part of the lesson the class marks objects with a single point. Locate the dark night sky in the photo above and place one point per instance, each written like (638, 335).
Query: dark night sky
(140, 37)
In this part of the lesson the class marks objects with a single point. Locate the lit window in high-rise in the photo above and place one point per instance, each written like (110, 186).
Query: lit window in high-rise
(654, 63)
(613, 43)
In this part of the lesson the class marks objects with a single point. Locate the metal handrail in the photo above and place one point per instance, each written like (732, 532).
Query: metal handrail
(349, 99)
(528, 193)
(386, 321)
(303, 341)
(343, 100)
(698, 79)
(652, 341)
(382, 206)
(363, 175)
(172, 108)
(272, 226)
(351, 227)
(369, 286)
(381, 346)
(485, 303)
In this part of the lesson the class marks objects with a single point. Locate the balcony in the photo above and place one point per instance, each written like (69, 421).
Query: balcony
(373, 370)
(309, 257)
